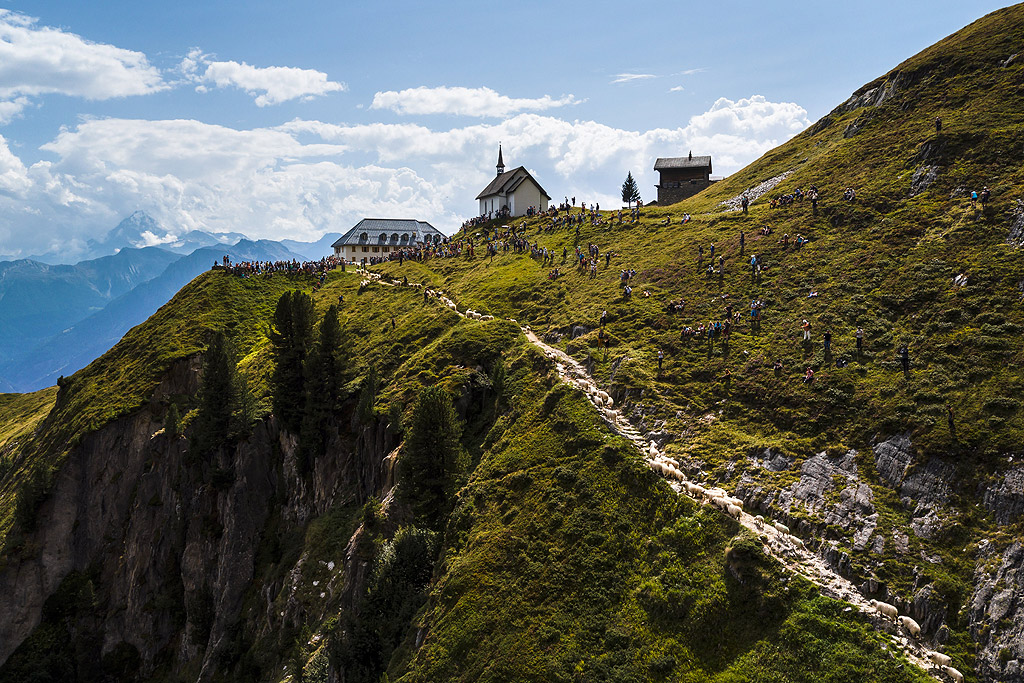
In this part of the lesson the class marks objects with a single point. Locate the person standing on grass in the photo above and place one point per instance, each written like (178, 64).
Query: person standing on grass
(661, 359)
(905, 359)
(806, 325)
(828, 341)
(859, 334)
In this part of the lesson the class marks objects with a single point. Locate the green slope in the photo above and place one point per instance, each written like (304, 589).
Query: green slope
(886, 262)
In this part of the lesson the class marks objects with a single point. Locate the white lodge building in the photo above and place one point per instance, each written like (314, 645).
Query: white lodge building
(516, 190)
(380, 236)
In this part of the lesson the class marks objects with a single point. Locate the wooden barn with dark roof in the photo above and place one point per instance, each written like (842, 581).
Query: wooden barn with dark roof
(380, 236)
(682, 177)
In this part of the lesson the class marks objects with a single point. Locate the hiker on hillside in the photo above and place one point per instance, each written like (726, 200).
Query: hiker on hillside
(859, 334)
(974, 199)
(808, 376)
(938, 125)
(828, 341)
(905, 359)
(806, 325)
(744, 203)
(661, 358)
(604, 318)
(985, 195)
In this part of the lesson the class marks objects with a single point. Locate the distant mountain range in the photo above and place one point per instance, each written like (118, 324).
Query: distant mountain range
(56, 318)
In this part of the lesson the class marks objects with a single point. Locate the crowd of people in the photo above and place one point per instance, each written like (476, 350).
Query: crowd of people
(266, 269)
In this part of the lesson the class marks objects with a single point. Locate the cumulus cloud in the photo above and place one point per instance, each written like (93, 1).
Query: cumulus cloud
(483, 102)
(629, 77)
(676, 88)
(13, 174)
(267, 85)
(38, 60)
(303, 178)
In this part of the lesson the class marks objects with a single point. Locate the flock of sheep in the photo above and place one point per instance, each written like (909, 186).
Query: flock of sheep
(667, 467)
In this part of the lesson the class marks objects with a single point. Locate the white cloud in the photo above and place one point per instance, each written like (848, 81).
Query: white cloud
(304, 178)
(268, 85)
(38, 60)
(13, 174)
(11, 109)
(676, 88)
(629, 77)
(690, 72)
(463, 101)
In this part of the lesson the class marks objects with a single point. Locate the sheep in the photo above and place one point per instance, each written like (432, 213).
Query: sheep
(653, 450)
(604, 395)
(610, 415)
(609, 402)
(677, 473)
(734, 511)
(953, 673)
(780, 527)
(734, 501)
(759, 521)
(940, 659)
(885, 608)
(913, 628)
(720, 503)
(487, 317)
(798, 542)
(694, 490)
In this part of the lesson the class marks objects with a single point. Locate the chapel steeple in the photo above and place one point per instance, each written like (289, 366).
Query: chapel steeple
(501, 163)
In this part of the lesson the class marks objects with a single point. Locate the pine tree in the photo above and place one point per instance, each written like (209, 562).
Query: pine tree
(432, 462)
(630, 192)
(212, 424)
(292, 336)
(172, 420)
(226, 407)
(323, 382)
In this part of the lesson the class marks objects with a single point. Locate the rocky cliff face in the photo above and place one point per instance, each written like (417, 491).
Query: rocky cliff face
(833, 502)
(173, 541)
(996, 613)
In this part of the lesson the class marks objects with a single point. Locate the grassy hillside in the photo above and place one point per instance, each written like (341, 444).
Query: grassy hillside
(566, 556)
(886, 261)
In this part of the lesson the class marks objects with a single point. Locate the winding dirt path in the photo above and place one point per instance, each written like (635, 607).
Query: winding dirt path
(788, 549)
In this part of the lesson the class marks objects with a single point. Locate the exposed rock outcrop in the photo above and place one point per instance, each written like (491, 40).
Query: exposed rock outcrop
(996, 615)
(1006, 499)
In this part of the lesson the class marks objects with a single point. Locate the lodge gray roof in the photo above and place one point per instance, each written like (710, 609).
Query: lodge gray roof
(507, 182)
(392, 232)
(666, 163)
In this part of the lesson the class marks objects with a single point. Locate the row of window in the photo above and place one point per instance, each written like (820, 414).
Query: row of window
(404, 238)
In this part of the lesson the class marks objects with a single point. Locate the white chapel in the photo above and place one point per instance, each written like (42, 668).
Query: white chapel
(514, 191)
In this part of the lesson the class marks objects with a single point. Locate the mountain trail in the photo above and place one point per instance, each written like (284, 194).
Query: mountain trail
(788, 549)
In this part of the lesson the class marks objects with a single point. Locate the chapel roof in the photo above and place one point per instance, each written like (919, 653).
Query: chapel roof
(508, 181)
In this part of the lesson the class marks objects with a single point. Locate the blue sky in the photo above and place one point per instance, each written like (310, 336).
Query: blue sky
(292, 119)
